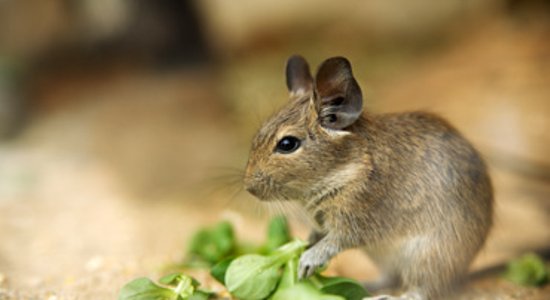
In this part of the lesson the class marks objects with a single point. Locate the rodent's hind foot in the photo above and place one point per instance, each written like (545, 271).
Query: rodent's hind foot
(406, 296)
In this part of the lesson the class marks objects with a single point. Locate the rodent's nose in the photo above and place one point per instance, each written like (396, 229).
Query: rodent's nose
(251, 182)
(253, 190)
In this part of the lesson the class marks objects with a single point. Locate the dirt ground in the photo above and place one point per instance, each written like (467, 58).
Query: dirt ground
(111, 185)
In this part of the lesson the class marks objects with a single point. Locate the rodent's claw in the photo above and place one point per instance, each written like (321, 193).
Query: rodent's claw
(302, 272)
(309, 262)
(305, 270)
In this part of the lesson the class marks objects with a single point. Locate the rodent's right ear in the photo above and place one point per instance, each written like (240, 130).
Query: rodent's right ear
(298, 76)
(339, 101)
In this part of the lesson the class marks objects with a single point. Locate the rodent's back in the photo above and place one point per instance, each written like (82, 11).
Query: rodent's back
(426, 175)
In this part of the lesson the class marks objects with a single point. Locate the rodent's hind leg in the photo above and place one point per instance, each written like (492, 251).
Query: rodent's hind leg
(431, 267)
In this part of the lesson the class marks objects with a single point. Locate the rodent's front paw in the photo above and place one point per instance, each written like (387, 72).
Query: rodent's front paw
(309, 262)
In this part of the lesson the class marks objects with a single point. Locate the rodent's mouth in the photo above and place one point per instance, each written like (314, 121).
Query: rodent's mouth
(257, 189)
(257, 184)
(268, 194)
(265, 195)
(265, 188)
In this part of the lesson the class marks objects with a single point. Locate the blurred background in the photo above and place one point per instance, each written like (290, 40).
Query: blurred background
(124, 124)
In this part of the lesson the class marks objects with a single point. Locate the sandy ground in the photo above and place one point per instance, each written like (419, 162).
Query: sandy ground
(110, 186)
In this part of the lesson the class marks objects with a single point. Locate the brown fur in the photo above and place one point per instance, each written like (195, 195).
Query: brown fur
(408, 188)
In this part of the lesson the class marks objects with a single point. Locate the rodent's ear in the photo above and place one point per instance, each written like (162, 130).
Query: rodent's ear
(298, 77)
(339, 101)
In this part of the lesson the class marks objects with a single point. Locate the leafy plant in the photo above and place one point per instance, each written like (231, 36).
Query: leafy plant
(174, 287)
(290, 276)
(248, 272)
(255, 276)
(348, 288)
(278, 233)
(304, 291)
(218, 270)
(528, 270)
(210, 245)
(317, 286)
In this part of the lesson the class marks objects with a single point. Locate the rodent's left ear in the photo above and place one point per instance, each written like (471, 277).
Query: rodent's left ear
(339, 101)
(298, 77)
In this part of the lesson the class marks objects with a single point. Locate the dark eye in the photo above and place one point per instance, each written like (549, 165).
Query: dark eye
(288, 144)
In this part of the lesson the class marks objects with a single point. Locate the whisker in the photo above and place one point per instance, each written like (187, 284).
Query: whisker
(226, 175)
(268, 207)
(233, 196)
(224, 178)
(278, 208)
(259, 209)
(273, 208)
(299, 213)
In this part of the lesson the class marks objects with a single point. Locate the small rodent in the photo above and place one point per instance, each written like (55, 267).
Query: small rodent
(407, 188)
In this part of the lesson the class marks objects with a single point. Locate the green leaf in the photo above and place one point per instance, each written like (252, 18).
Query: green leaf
(183, 285)
(290, 274)
(278, 233)
(171, 279)
(178, 287)
(145, 289)
(224, 237)
(252, 276)
(346, 287)
(218, 270)
(529, 270)
(201, 245)
(212, 245)
(174, 279)
(303, 291)
(255, 276)
(288, 250)
(201, 295)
